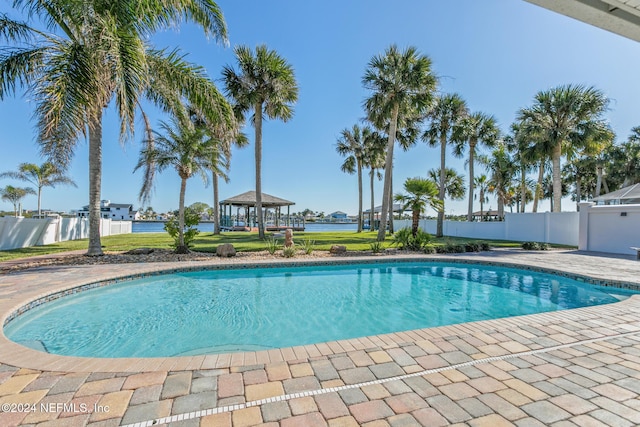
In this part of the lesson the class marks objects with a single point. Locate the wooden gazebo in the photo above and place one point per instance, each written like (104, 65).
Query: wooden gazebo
(247, 202)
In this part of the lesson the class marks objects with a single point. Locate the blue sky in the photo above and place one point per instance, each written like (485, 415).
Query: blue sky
(496, 53)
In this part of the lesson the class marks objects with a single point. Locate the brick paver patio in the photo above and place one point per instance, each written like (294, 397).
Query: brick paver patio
(570, 368)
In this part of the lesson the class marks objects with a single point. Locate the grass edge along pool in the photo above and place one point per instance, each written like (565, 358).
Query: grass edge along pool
(221, 311)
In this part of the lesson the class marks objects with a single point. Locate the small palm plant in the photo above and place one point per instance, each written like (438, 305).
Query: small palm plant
(272, 245)
(308, 246)
(14, 195)
(184, 147)
(45, 175)
(422, 193)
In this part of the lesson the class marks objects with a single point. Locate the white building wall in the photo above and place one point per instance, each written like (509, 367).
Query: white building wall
(24, 232)
(610, 228)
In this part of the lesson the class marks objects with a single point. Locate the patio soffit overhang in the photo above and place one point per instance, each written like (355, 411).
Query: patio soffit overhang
(621, 17)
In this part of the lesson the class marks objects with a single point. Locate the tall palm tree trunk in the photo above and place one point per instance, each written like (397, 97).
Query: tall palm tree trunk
(523, 189)
(359, 196)
(578, 192)
(500, 206)
(388, 170)
(258, 142)
(557, 178)
(472, 146)
(371, 213)
(95, 172)
(443, 156)
(39, 200)
(538, 193)
(182, 248)
(216, 205)
(391, 217)
(415, 223)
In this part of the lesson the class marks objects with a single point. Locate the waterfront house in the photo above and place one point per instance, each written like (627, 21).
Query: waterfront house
(115, 211)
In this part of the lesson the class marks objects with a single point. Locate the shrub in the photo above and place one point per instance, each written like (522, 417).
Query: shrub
(535, 246)
(451, 248)
(272, 245)
(376, 247)
(308, 246)
(471, 247)
(484, 246)
(191, 220)
(289, 252)
(405, 239)
(429, 249)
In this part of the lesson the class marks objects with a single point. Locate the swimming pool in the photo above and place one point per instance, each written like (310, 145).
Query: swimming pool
(216, 311)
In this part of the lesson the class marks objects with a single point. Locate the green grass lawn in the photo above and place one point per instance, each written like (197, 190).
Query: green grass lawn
(242, 241)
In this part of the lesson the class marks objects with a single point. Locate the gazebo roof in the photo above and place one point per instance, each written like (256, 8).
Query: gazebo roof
(631, 192)
(249, 199)
(396, 208)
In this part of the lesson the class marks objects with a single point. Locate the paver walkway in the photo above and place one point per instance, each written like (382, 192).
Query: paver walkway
(571, 368)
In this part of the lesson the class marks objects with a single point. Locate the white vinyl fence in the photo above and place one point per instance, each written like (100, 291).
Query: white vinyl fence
(24, 232)
(560, 228)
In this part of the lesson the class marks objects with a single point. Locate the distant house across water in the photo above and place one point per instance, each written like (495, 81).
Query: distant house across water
(116, 211)
(338, 215)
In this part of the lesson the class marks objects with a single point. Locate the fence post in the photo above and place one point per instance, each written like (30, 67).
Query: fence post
(583, 231)
(547, 226)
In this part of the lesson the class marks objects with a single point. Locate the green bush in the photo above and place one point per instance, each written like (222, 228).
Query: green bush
(376, 247)
(535, 246)
(429, 249)
(451, 248)
(405, 240)
(289, 251)
(191, 220)
(308, 246)
(272, 245)
(471, 247)
(484, 246)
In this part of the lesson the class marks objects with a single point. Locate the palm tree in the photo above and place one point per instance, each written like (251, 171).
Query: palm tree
(476, 128)
(402, 85)
(186, 148)
(374, 160)
(265, 84)
(351, 143)
(14, 195)
(482, 185)
(524, 160)
(225, 137)
(582, 173)
(422, 193)
(624, 161)
(501, 169)
(45, 175)
(92, 53)
(547, 189)
(566, 117)
(453, 183)
(444, 121)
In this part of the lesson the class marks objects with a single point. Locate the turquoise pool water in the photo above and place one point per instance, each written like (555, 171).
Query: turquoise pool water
(251, 309)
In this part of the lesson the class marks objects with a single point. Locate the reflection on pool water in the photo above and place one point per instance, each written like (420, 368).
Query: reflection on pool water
(251, 309)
